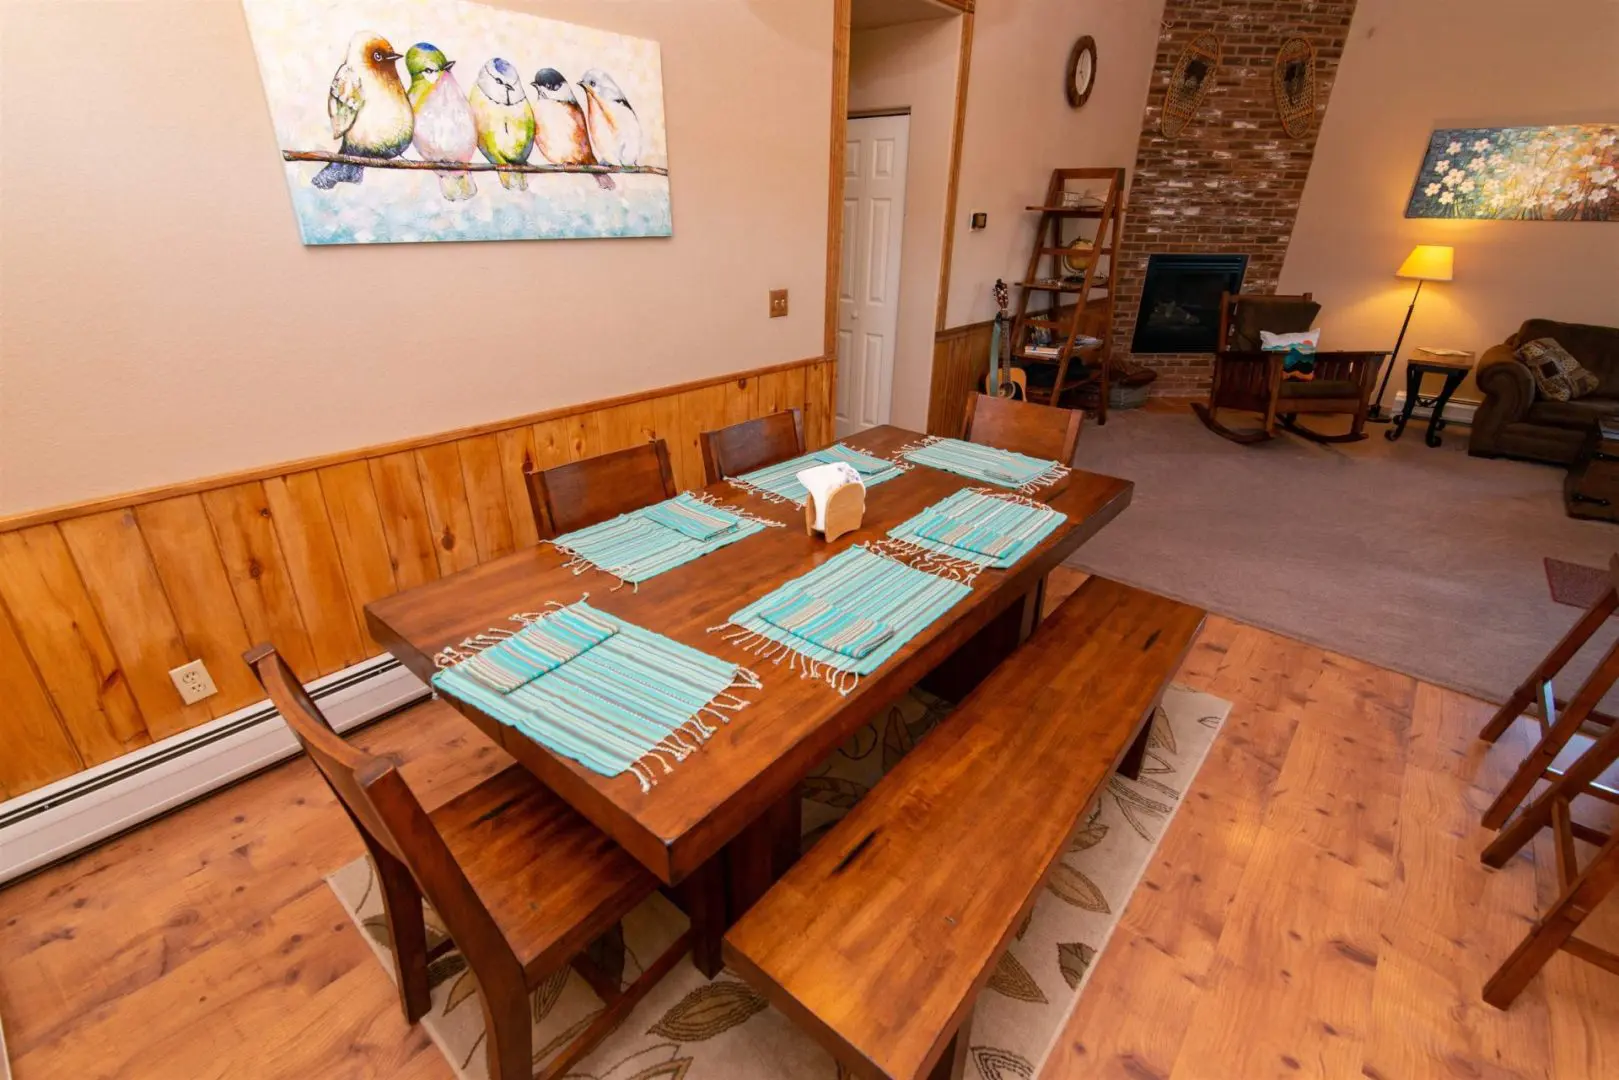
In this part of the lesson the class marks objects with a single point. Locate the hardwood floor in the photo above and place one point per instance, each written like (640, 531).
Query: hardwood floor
(1316, 910)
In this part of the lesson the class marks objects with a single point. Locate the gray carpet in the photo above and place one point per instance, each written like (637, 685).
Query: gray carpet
(1425, 561)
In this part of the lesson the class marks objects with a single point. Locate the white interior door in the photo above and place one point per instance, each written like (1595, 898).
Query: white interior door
(868, 286)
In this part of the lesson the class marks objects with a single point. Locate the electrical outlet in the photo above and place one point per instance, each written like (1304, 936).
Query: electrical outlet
(778, 303)
(193, 682)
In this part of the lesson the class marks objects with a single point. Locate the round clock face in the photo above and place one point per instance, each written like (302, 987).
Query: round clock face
(1081, 71)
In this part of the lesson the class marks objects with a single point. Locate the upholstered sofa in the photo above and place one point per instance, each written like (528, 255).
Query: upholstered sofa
(1514, 422)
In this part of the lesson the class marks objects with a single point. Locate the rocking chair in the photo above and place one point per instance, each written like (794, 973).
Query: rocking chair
(1250, 380)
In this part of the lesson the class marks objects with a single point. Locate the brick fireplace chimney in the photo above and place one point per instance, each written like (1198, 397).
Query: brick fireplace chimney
(1230, 184)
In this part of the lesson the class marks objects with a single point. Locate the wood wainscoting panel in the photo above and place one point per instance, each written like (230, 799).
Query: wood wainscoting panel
(309, 544)
(192, 570)
(449, 515)
(960, 362)
(412, 547)
(111, 555)
(38, 749)
(486, 496)
(258, 573)
(368, 569)
(60, 629)
(100, 600)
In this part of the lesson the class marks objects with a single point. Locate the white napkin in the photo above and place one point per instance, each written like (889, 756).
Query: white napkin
(822, 480)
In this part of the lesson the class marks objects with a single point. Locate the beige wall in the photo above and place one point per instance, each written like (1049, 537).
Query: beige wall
(1415, 65)
(160, 321)
(914, 65)
(1020, 126)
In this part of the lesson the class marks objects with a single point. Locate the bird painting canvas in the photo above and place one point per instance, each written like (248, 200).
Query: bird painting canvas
(406, 121)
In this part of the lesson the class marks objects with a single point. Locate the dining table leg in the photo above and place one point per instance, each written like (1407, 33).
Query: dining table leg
(702, 897)
(971, 664)
(763, 851)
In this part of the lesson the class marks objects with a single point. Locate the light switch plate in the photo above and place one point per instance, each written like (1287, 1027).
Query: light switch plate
(778, 303)
(193, 682)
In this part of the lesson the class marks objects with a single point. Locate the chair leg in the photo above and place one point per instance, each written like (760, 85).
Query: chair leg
(508, 1038)
(1555, 929)
(1554, 662)
(407, 929)
(617, 1009)
(1534, 765)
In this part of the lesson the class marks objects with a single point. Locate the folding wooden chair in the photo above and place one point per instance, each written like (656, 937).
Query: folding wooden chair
(1559, 720)
(1582, 889)
(584, 493)
(752, 444)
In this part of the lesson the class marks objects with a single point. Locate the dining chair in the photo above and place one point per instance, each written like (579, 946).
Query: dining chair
(584, 493)
(752, 444)
(522, 882)
(1041, 431)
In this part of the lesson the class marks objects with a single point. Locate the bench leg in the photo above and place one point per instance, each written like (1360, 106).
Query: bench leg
(1130, 764)
(953, 1062)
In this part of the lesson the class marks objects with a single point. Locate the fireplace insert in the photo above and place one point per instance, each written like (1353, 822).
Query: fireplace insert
(1180, 302)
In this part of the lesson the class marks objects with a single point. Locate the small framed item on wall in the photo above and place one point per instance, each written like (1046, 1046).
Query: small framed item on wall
(1081, 71)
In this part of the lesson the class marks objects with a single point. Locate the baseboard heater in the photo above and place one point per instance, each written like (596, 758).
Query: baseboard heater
(60, 819)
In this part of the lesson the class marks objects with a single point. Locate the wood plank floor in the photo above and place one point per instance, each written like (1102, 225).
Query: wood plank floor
(1316, 910)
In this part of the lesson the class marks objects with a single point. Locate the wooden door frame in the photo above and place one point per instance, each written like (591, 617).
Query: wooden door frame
(841, 31)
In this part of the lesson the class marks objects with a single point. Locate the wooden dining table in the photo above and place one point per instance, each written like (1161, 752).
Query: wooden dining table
(720, 826)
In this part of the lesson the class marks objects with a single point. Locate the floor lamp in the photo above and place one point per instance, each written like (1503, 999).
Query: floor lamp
(1427, 262)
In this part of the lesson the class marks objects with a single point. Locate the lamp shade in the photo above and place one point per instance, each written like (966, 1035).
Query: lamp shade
(1429, 262)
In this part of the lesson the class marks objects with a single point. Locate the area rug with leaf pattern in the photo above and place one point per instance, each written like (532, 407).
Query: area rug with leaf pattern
(690, 1028)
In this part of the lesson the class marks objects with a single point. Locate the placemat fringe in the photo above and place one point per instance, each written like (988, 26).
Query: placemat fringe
(1053, 472)
(920, 558)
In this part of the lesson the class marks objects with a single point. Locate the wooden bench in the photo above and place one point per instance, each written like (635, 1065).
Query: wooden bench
(878, 941)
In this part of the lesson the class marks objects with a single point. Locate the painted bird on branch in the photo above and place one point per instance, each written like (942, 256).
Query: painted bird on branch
(615, 130)
(504, 120)
(560, 132)
(445, 130)
(368, 109)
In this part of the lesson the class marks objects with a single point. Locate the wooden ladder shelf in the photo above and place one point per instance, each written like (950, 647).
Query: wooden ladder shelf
(1090, 313)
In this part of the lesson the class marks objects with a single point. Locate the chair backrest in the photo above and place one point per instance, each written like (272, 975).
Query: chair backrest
(1041, 431)
(583, 493)
(1280, 314)
(387, 813)
(752, 444)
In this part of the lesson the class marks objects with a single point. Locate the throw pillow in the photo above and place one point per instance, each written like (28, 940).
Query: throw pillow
(1558, 376)
(1299, 363)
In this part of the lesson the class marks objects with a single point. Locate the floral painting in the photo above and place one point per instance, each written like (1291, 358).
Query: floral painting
(1569, 172)
(401, 121)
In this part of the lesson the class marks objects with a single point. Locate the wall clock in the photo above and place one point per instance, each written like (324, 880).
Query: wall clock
(1081, 71)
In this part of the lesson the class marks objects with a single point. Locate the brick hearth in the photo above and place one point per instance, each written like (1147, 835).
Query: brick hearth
(1233, 179)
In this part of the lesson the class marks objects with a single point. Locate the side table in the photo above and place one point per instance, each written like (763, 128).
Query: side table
(1453, 371)
(1591, 489)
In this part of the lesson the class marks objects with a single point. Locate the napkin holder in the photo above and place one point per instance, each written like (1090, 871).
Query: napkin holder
(845, 508)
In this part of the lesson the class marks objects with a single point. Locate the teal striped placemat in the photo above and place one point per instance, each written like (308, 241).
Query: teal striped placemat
(780, 481)
(845, 618)
(596, 689)
(644, 543)
(979, 527)
(987, 464)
